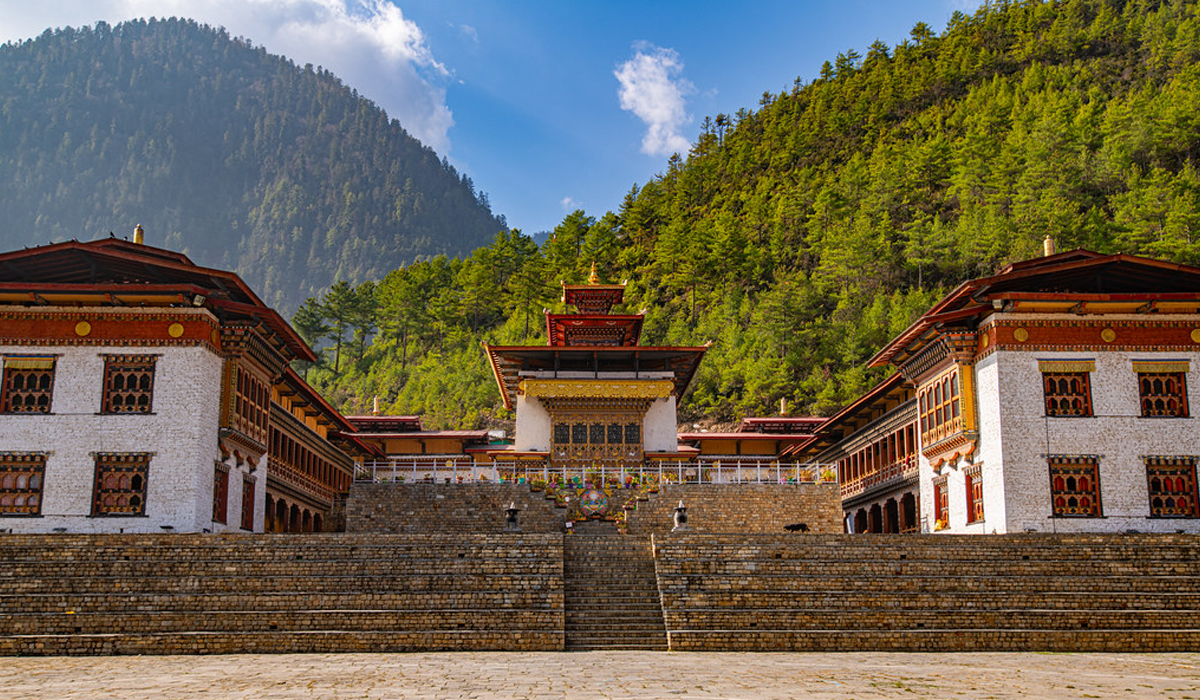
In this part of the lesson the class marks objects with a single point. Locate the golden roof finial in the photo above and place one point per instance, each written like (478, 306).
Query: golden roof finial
(593, 278)
(138, 234)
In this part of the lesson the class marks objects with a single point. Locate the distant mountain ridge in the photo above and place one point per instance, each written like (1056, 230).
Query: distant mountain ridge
(239, 158)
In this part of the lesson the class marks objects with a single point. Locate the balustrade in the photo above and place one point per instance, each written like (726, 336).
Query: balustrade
(463, 470)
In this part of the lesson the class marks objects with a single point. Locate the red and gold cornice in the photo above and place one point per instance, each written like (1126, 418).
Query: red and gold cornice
(132, 327)
(1087, 334)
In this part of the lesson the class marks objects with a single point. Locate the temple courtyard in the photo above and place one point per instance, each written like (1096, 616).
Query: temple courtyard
(614, 674)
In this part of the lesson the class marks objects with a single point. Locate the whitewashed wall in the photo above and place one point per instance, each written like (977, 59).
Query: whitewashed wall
(1117, 433)
(181, 432)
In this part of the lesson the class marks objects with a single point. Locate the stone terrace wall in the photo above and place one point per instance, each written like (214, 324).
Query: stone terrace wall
(224, 594)
(742, 508)
(931, 592)
(465, 508)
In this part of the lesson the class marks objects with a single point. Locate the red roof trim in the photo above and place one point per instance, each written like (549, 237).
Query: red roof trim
(291, 377)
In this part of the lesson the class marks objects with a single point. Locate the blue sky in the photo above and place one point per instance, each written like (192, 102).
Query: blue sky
(548, 105)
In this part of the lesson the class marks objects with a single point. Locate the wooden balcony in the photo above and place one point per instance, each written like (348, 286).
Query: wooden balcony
(893, 473)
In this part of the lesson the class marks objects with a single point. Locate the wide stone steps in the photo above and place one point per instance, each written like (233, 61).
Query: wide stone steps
(931, 593)
(133, 622)
(610, 595)
(280, 642)
(189, 594)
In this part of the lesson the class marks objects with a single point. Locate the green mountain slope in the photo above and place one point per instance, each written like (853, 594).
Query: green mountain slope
(801, 236)
(237, 157)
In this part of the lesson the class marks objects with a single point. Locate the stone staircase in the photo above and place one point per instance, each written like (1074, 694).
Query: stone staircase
(611, 595)
(223, 594)
(1035, 592)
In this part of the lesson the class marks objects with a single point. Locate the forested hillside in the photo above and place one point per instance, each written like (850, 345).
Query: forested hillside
(239, 158)
(802, 235)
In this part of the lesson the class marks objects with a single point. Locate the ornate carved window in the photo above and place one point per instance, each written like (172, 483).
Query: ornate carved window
(247, 503)
(220, 493)
(1075, 486)
(585, 438)
(128, 383)
(1172, 482)
(21, 482)
(252, 405)
(28, 384)
(120, 484)
(940, 408)
(1163, 394)
(1066, 387)
(974, 479)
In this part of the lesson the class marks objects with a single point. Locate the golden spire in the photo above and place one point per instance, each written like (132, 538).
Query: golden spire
(593, 278)
(138, 234)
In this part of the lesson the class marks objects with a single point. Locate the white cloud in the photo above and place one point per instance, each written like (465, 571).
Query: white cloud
(367, 43)
(568, 204)
(469, 32)
(652, 89)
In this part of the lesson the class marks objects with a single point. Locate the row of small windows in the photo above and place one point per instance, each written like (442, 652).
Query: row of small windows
(28, 384)
(898, 447)
(295, 456)
(939, 407)
(597, 434)
(118, 485)
(1171, 482)
(1161, 394)
(1075, 490)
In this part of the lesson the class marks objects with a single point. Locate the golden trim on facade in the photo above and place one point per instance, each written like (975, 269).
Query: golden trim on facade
(598, 389)
(1056, 366)
(1176, 366)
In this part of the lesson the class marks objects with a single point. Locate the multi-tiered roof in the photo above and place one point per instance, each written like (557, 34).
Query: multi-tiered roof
(594, 341)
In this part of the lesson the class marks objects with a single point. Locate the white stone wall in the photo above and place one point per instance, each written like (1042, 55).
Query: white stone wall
(1116, 432)
(660, 432)
(532, 431)
(534, 424)
(181, 432)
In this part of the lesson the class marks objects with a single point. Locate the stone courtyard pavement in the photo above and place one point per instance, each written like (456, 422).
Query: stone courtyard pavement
(604, 675)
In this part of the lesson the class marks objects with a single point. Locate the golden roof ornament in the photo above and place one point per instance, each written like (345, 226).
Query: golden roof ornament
(593, 278)
(138, 235)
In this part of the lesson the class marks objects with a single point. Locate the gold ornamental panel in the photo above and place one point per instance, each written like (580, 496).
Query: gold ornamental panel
(597, 388)
(1161, 367)
(1066, 366)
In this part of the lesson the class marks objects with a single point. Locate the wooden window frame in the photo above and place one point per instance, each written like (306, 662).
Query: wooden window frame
(939, 407)
(136, 466)
(118, 371)
(941, 505)
(974, 491)
(17, 398)
(247, 503)
(1147, 396)
(1075, 478)
(220, 512)
(1180, 472)
(1053, 398)
(22, 478)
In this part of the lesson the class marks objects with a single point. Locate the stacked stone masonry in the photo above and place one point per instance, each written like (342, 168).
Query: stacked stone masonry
(712, 508)
(742, 508)
(931, 593)
(465, 508)
(195, 594)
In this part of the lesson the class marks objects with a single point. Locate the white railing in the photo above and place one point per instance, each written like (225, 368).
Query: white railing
(452, 469)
